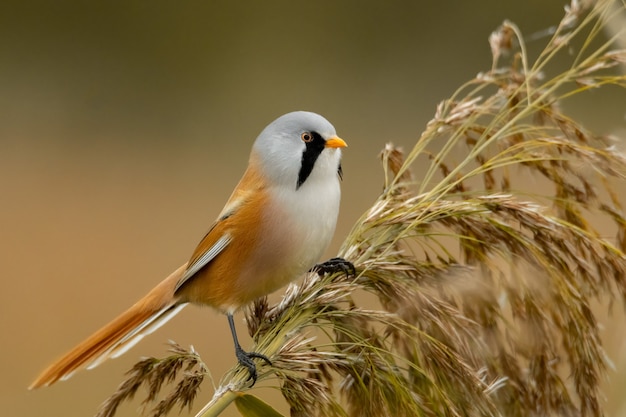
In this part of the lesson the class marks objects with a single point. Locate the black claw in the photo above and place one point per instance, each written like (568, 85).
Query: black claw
(245, 359)
(335, 265)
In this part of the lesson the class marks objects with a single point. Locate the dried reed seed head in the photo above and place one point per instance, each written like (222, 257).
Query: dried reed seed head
(154, 374)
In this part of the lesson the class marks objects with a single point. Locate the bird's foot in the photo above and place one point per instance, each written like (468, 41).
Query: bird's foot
(335, 265)
(245, 359)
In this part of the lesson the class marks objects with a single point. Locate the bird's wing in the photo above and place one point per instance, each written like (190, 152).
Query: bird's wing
(204, 258)
(221, 232)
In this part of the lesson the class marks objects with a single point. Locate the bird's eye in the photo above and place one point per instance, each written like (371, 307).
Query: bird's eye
(307, 137)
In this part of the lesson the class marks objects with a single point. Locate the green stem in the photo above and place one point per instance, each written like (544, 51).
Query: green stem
(218, 403)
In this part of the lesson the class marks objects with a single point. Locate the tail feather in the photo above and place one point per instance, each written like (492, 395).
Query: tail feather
(117, 337)
(123, 345)
(148, 327)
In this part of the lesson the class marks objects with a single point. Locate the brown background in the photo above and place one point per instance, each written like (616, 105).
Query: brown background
(125, 125)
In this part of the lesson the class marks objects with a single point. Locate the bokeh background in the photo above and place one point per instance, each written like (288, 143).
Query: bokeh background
(124, 125)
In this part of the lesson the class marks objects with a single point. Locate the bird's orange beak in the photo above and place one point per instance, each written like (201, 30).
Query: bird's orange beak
(335, 142)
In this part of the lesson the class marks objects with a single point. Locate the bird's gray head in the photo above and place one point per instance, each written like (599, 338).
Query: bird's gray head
(298, 147)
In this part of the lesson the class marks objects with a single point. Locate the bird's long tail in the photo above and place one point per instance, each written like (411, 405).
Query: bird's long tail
(111, 341)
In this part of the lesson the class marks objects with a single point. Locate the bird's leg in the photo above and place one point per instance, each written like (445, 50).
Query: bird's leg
(245, 358)
(334, 265)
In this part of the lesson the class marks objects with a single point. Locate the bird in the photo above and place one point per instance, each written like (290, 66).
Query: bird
(276, 225)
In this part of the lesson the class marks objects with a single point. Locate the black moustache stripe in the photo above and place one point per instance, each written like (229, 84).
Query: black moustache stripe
(312, 151)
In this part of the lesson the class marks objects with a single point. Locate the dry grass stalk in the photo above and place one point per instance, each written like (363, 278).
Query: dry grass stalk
(501, 322)
(153, 374)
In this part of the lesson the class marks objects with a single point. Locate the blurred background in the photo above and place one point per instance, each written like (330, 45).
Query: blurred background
(125, 125)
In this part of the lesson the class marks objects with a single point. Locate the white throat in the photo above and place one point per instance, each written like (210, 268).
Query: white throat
(313, 207)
